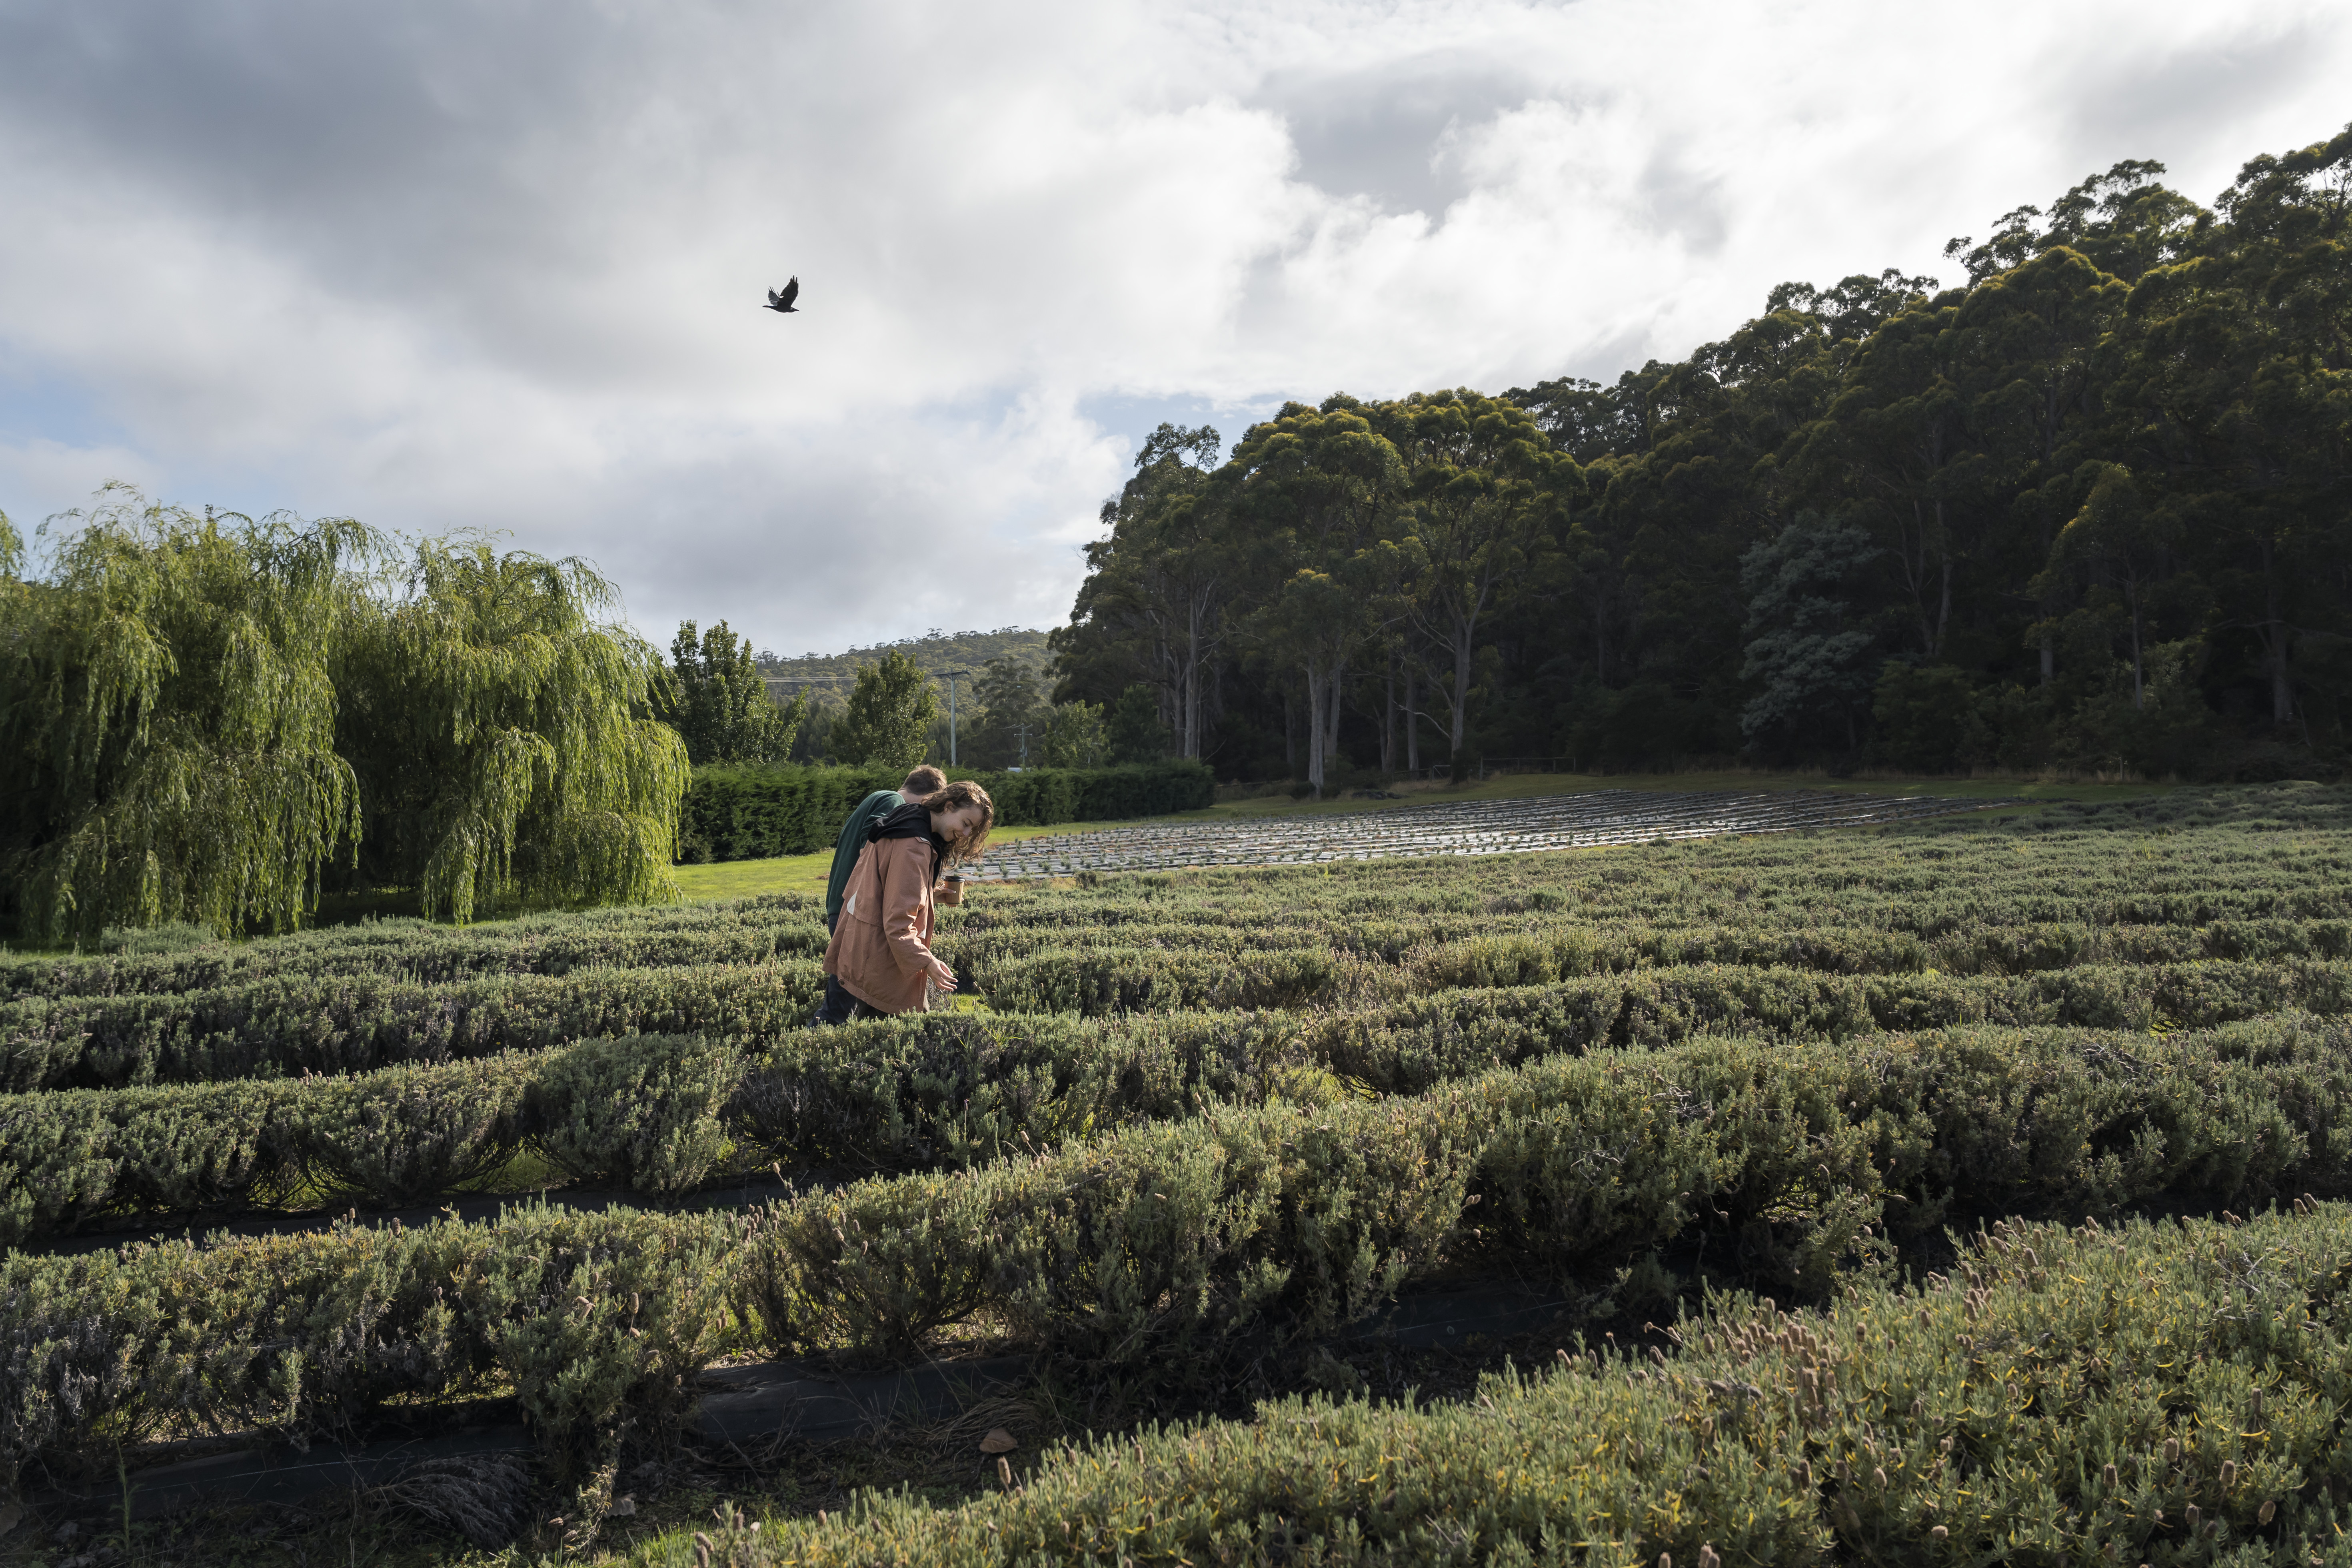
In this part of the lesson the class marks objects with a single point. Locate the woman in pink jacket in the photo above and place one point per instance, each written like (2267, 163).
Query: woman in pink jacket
(881, 947)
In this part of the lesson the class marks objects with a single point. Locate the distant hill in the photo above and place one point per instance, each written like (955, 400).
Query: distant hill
(828, 678)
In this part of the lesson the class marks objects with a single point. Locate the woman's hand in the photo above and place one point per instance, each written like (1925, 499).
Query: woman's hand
(942, 976)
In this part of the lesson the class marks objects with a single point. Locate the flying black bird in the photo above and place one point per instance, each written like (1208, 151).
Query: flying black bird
(784, 301)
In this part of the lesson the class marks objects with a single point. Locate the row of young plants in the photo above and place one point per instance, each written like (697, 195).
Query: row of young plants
(1559, 944)
(1922, 881)
(287, 1023)
(2037, 1404)
(1244, 1226)
(2236, 882)
(1556, 940)
(293, 1025)
(747, 931)
(661, 1115)
(1115, 981)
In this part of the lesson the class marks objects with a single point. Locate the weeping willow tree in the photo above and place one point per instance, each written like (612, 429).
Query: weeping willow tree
(504, 739)
(167, 719)
(214, 719)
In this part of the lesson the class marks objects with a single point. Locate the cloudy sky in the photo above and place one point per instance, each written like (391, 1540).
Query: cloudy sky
(499, 265)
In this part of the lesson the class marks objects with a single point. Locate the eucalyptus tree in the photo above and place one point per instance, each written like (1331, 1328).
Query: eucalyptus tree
(888, 720)
(1317, 488)
(168, 719)
(715, 699)
(2240, 360)
(1898, 434)
(1013, 714)
(1165, 574)
(504, 737)
(1484, 487)
(2029, 362)
(2119, 542)
(2124, 222)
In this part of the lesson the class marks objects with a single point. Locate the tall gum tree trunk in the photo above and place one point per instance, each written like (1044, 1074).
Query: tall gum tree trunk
(1388, 719)
(2274, 637)
(1412, 718)
(1943, 605)
(1314, 698)
(1332, 712)
(1461, 691)
(2139, 684)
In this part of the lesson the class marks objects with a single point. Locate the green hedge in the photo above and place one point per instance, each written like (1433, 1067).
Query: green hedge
(330, 1024)
(664, 1114)
(2039, 1405)
(1484, 950)
(1037, 796)
(1161, 1238)
(747, 931)
(1282, 1219)
(756, 812)
(593, 1322)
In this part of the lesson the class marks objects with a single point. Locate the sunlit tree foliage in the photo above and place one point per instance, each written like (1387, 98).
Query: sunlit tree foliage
(212, 719)
(167, 720)
(504, 736)
(2087, 506)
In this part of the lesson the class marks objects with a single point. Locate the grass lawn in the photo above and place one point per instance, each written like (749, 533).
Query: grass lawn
(806, 873)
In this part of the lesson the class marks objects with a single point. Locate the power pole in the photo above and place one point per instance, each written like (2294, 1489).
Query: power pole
(950, 676)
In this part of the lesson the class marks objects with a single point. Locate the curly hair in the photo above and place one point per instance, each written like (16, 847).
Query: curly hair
(965, 846)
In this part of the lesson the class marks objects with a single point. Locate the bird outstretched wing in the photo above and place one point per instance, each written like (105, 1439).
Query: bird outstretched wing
(784, 301)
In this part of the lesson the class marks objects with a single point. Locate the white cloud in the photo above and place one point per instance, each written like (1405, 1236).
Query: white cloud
(437, 267)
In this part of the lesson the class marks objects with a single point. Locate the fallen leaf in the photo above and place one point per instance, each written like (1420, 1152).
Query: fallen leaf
(998, 1441)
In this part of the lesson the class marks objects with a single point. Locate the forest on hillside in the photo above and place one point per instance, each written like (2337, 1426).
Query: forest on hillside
(1014, 656)
(2089, 506)
(829, 677)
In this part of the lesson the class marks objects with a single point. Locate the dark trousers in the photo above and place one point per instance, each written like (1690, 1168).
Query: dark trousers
(839, 1006)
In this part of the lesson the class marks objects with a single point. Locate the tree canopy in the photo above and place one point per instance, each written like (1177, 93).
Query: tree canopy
(718, 701)
(888, 720)
(505, 739)
(214, 718)
(167, 720)
(2088, 508)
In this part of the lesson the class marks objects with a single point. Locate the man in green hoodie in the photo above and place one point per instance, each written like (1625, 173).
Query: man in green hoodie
(921, 786)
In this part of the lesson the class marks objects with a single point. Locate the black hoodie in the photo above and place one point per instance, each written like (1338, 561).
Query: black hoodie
(910, 821)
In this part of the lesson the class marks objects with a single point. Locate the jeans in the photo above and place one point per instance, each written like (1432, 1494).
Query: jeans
(839, 1006)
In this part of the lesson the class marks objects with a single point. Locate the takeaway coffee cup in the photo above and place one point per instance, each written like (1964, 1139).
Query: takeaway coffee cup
(951, 890)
